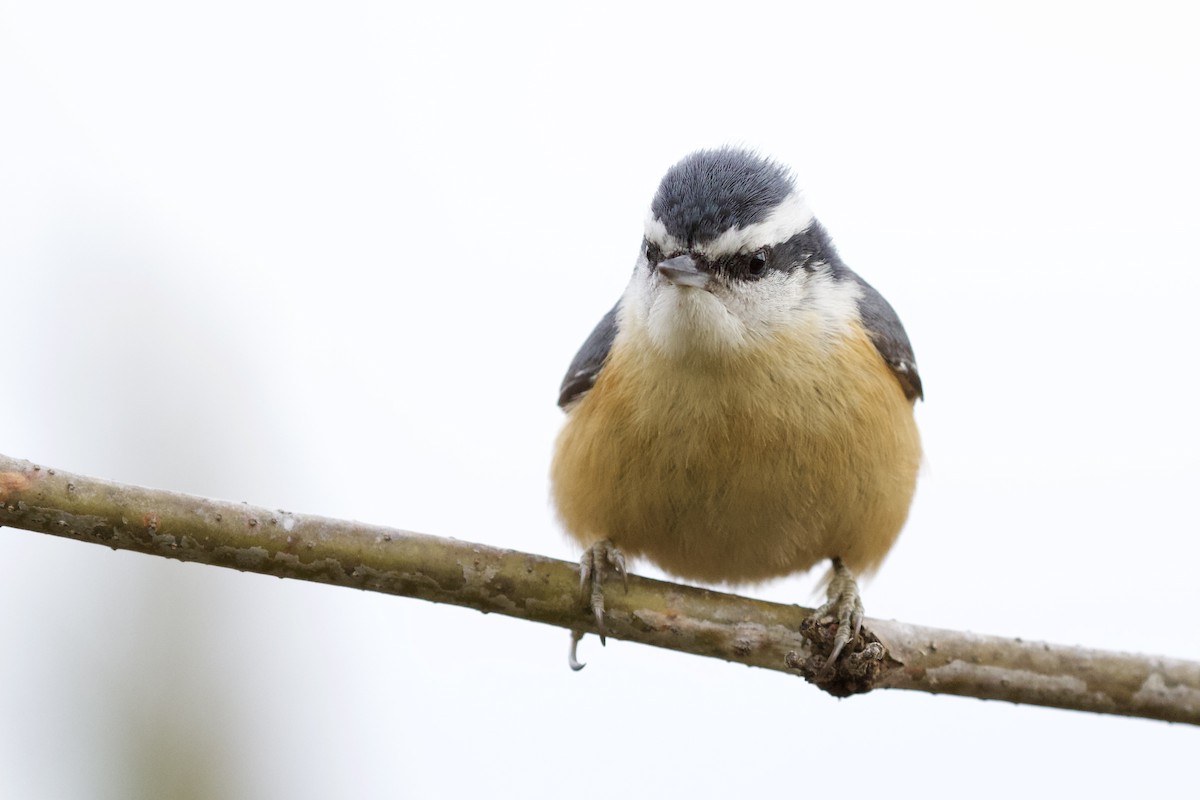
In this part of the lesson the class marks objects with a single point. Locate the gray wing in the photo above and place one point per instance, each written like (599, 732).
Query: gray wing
(586, 365)
(889, 338)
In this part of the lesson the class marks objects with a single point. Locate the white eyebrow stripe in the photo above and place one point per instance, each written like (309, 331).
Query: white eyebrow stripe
(790, 217)
(656, 233)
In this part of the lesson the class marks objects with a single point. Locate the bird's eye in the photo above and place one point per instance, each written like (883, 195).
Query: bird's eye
(757, 263)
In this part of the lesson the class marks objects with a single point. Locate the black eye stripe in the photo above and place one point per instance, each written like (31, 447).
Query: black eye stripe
(747, 266)
(807, 250)
(740, 266)
(653, 254)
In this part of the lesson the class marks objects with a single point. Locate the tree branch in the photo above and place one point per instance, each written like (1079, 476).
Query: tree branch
(546, 590)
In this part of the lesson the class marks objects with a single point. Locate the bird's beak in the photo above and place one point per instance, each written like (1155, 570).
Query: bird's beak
(684, 271)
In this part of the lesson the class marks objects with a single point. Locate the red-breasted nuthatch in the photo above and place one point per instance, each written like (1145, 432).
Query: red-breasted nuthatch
(745, 411)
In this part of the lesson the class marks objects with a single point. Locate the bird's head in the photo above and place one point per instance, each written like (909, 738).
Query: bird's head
(732, 255)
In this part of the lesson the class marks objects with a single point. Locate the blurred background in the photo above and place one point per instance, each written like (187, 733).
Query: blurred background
(335, 258)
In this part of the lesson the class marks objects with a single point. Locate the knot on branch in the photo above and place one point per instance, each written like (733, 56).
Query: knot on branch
(857, 671)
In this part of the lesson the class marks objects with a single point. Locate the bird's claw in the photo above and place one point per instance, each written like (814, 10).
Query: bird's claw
(595, 562)
(573, 656)
(844, 605)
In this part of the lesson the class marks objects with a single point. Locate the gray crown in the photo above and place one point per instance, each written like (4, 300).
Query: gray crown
(711, 191)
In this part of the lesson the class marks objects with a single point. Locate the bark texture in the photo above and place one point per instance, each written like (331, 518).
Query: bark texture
(889, 655)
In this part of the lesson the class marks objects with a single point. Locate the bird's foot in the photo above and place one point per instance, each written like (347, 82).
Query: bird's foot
(597, 560)
(856, 658)
(845, 606)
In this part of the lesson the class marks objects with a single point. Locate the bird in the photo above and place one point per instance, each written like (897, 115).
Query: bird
(745, 411)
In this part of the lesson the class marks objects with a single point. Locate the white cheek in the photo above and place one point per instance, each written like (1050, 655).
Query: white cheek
(682, 322)
(812, 302)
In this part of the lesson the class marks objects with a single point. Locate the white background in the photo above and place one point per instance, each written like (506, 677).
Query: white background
(335, 258)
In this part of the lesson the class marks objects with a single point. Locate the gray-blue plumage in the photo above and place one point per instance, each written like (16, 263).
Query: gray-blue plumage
(889, 337)
(711, 191)
(581, 375)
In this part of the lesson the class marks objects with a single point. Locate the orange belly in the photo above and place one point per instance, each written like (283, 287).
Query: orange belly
(744, 468)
